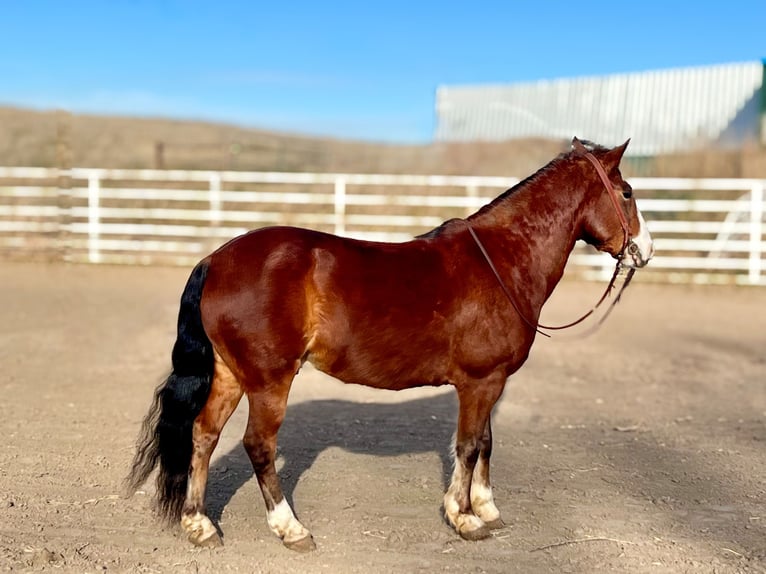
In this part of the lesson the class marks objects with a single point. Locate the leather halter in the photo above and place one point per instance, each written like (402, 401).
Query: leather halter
(627, 241)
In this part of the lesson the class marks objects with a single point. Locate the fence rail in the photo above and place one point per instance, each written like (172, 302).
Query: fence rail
(706, 230)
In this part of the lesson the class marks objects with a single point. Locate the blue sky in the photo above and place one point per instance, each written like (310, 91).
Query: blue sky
(361, 70)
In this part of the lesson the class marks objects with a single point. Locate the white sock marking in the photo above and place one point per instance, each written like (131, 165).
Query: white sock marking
(198, 527)
(283, 523)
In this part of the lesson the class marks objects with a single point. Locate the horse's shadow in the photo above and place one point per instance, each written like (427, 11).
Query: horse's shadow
(381, 429)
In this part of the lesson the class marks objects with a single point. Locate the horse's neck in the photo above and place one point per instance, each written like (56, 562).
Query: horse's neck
(531, 232)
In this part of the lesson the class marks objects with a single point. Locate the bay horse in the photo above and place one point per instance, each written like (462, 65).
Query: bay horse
(431, 311)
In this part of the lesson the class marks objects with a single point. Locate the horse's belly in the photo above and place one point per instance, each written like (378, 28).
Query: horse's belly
(394, 367)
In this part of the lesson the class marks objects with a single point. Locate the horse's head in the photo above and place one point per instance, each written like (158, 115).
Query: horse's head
(612, 221)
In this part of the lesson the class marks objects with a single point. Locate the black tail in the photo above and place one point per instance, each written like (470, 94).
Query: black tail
(166, 434)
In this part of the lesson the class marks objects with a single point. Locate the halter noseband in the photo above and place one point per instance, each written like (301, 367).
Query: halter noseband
(627, 242)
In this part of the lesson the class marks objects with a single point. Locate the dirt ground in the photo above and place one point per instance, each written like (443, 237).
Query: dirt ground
(639, 449)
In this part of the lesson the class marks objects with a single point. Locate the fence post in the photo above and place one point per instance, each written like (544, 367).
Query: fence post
(756, 232)
(215, 199)
(340, 205)
(94, 217)
(210, 238)
(64, 183)
(472, 191)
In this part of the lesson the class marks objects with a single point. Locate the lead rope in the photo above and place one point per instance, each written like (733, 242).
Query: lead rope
(538, 326)
(601, 321)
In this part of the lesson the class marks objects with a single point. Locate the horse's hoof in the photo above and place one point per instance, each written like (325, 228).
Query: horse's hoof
(212, 541)
(476, 534)
(495, 524)
(305, 544)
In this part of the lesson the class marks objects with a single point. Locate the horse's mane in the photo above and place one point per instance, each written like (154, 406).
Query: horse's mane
(540, 173)
(544, 171)
(551, 166)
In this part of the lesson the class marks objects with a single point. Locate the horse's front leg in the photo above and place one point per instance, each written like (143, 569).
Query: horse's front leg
(476, 401)
(482, 501)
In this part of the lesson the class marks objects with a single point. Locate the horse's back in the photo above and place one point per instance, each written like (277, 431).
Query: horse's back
(280, 295)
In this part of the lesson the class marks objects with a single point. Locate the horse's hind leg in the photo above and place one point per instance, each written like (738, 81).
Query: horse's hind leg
(225, 393)
(482, 501)
(267, 410)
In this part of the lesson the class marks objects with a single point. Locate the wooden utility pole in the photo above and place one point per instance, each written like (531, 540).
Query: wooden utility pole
(762, 110)
(159, 155)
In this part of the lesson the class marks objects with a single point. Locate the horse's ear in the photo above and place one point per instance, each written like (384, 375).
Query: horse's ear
(614, 155)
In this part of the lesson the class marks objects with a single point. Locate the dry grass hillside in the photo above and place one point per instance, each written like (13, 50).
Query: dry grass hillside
(34, 138)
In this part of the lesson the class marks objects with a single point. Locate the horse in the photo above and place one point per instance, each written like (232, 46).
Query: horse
(456, 306)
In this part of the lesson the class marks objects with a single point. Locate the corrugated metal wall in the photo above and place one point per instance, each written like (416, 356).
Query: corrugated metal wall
(662, 111)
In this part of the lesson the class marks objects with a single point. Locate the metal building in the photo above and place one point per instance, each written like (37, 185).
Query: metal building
(662, 111)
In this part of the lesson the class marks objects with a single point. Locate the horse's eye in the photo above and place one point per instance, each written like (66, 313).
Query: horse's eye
(627, 191)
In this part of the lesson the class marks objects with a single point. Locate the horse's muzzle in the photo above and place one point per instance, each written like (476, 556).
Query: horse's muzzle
(635, 257)
(640, 249)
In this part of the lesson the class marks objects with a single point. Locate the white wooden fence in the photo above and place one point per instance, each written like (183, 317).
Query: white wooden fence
(706, 230)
